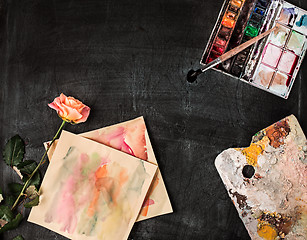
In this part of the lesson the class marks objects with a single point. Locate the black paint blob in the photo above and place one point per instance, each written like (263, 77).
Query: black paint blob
(248, 171)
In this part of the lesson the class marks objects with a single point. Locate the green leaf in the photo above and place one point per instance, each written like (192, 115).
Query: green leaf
(32, 203)
(10, 200)
(14, 151)
(19, 237)
(12, 224)
(35, 180)
(27, 167)
(15, 188)
(6, 214)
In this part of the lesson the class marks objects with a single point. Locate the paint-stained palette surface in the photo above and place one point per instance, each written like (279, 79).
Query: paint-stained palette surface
(132, 138)
(267, 181)
(92, 191)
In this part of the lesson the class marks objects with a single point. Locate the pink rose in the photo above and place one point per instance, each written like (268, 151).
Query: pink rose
(70, 109)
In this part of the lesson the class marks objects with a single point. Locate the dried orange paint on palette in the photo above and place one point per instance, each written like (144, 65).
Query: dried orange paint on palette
(266, 231)
(254, 150)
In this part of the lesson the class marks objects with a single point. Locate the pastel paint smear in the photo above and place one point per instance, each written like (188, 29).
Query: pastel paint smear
(95, 187)
(288, 14)
(148, 201)
(279, 35)
(91, 191)
(271, 55)
(116, 139)
(264, 76)
(280, 83)
(65, 202)
(296, 42)
(131, 137)
(301, 22)
(119, 139)
(288, 62)
(272, 200)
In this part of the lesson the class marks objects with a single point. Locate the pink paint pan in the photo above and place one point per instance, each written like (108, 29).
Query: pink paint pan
(288, 62)
(271, 55)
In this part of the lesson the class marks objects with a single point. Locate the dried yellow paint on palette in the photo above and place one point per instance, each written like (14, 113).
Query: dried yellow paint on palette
(91, 191)
(132, 138)
(267, 181)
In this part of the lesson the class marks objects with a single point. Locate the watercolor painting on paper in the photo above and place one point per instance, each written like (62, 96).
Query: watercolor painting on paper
(92, 191)
(132, 138)
(267, 181)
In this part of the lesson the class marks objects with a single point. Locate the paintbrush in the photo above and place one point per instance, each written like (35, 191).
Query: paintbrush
(192, 75)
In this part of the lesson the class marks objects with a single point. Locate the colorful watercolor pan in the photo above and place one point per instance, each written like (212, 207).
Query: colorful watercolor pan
(288, 14)
(279, 36)
(273, 62)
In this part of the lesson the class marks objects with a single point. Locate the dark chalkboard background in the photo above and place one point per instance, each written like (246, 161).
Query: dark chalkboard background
(127, 58)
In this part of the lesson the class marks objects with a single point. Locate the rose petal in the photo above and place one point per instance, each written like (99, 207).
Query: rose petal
(73, 114)
(85, 113)
(53, 106)
(62, 97)
(63, 111)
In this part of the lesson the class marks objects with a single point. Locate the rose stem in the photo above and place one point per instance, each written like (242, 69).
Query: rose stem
(40, 163)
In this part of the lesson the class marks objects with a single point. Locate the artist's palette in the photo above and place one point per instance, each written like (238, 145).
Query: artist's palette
(267, 181)
(273, 62)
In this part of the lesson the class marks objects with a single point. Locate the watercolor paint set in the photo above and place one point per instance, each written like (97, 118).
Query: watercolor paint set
(273, 62)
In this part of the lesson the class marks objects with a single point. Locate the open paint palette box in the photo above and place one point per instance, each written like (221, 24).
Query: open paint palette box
(273, 62)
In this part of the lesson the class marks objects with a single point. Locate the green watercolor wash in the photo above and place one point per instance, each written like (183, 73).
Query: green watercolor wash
(251, 31)
(87, 225)
(70, 150)
(93, 164)
(95, 156)
(93, 223)
(136, 184)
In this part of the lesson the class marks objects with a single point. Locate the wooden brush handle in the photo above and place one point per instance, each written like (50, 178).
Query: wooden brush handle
(241, 47)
